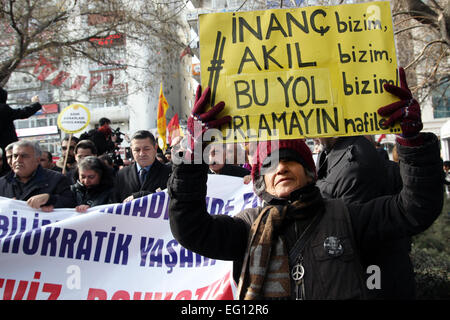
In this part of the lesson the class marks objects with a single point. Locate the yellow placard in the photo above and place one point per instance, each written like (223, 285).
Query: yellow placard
(74, 118)
(306, 72)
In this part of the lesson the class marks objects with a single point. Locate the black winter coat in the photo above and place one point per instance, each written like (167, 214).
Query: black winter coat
(8, 115)
(232, 170)
(373, 223)
(94, 196)
(102, 144)
(356, 173)
(44, 181)
(127, 181)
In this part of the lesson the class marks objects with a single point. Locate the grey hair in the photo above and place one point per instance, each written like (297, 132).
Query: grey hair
(91, 163)
(30, 143)
(309, 173)
(10, 146)
(259, 186)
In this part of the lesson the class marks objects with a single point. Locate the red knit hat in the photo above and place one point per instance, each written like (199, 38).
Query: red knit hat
(296, 150)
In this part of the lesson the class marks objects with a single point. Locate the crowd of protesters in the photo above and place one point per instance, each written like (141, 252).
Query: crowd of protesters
(362, 207)
(84, 178)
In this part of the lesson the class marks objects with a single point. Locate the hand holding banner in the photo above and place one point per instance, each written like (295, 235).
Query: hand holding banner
(120, 251)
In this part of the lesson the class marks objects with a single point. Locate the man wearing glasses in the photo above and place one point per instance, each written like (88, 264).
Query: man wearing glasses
(70, 151)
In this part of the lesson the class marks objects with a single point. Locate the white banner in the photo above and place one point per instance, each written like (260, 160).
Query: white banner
(119, 251)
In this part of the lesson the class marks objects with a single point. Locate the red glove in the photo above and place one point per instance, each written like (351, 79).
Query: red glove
(200, 121)
(407, 110)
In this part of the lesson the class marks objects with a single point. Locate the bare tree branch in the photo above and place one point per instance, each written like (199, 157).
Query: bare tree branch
(422, 52)
(42, 28)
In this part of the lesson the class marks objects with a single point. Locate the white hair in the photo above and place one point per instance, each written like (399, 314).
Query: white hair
(10, 146)
(30, 143)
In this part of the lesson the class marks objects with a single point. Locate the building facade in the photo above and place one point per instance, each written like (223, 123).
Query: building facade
(126, 90)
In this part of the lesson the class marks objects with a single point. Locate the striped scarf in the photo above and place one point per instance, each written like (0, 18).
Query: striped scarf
(266, 267)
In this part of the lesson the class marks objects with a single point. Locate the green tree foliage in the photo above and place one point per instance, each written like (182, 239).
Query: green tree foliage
(431, 258)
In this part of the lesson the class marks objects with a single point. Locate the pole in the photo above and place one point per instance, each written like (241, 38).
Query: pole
(67, 154)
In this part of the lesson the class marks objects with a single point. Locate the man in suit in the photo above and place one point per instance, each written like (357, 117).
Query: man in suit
(145, 175)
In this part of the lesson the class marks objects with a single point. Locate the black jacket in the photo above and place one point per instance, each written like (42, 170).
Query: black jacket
(94, 196)
(356, 173)
(8, 115)
(127, 181)
(44, 181)
(232, 170)
(102, 144)
(372, 224)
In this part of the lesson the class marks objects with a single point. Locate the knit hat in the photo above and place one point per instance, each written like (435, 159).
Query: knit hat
(296, 150)
(3, 95)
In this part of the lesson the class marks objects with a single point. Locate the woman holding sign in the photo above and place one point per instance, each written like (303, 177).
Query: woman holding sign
(299, 245)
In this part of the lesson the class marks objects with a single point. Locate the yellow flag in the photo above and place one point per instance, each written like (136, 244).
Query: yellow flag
(161, 121)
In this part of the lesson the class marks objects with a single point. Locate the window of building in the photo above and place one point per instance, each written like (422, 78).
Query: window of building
(441, 102)
(41, 122)
(22, 124)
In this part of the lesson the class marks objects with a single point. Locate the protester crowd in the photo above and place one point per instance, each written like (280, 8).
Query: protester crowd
(92, 176)
(362, 207)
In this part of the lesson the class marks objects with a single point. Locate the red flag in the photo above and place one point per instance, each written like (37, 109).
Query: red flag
(48, 69)
(186, 51)
(93, 81)
(381, 137)
(110, 80)
(41, 62)
(173, 128)
(60, 78)
(78, 82)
